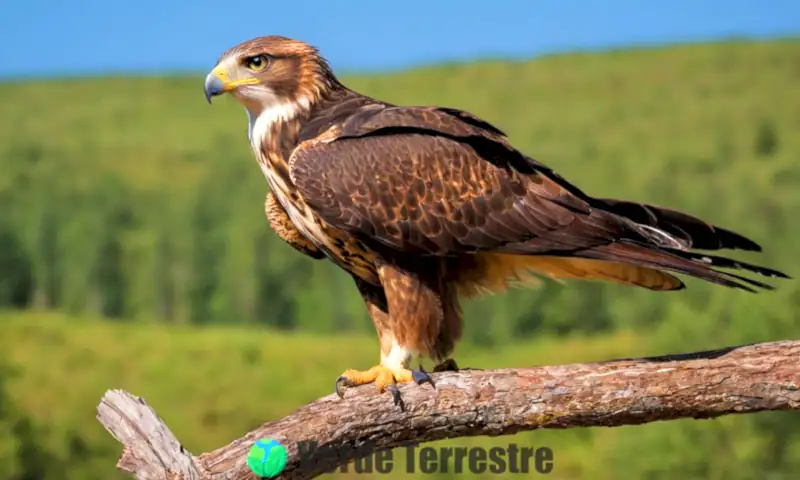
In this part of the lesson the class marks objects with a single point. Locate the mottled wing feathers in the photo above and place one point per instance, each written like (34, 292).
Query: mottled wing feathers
(413, 179)
(487, 141)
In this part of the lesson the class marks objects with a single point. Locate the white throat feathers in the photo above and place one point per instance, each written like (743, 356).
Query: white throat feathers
(260, 122)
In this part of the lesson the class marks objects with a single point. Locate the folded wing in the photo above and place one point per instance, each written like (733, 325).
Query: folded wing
(426, 180)
(437, 181)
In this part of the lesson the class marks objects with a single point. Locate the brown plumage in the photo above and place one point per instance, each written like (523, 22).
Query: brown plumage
(423, 205)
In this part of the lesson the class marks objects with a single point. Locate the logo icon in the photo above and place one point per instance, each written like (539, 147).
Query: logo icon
(267, 458)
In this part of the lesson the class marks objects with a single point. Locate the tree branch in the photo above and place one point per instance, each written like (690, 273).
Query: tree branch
(708, 384)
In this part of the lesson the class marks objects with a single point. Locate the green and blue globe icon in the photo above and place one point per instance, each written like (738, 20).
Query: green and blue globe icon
(267, 458)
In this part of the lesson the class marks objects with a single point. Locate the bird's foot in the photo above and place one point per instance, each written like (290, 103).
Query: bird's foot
(384, 379)
(448, 365)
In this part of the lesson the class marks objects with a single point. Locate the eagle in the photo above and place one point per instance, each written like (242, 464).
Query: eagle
(425, 206)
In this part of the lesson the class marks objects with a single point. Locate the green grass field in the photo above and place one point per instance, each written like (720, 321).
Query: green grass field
(134, 210)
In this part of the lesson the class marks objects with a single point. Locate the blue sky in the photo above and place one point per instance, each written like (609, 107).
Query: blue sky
(92, 37)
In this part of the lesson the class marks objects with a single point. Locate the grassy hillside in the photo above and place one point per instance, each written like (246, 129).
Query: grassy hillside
(135, 201)
(134, 198)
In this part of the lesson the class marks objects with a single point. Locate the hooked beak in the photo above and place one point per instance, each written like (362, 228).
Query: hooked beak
(218, 82)
(215, 83)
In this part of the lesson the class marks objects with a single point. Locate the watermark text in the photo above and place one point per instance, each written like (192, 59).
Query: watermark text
(510, 458)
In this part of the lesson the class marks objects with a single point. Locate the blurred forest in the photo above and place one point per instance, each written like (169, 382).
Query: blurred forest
(134, 253)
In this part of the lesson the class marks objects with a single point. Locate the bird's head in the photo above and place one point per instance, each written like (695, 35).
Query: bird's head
(270, 72)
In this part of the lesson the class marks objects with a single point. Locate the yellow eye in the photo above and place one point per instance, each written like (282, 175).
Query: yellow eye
(257, 63)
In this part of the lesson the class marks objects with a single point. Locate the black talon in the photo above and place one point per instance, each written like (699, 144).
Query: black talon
(341, 382)
(421, 377)
(398, 402)
(448, 365)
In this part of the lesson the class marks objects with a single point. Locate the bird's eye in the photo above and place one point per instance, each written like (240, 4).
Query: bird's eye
(257, 63)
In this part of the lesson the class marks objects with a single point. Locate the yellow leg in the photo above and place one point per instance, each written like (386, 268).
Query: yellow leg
(383, 377)
(380, 375)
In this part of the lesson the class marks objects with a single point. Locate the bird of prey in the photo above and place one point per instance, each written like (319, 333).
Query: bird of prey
(427, 205)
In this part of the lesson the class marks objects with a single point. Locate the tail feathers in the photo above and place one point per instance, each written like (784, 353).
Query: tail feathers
(723, 262)
(687, 263)
(695, 232)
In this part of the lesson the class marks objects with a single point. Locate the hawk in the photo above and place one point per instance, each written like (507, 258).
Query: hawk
(424, 206)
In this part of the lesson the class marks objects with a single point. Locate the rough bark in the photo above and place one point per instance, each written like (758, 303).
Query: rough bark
(708, 384)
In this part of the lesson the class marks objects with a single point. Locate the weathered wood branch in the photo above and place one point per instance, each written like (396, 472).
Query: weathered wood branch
(708, 384)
